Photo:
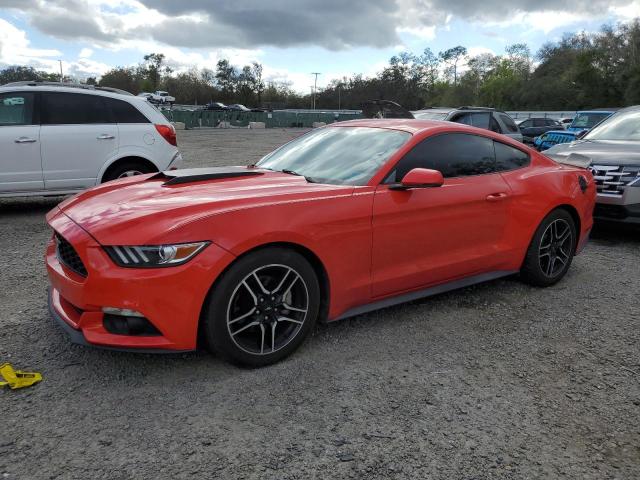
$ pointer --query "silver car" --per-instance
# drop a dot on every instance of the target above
(613, 148)
(481, 117)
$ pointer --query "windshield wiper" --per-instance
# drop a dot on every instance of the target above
(293, 172)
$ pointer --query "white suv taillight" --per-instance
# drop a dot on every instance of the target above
(168, 132)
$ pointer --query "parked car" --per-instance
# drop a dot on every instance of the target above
(402, 209)
(582, 122)
(238, 107)
(613, 149)
(158, 97)
(566, 122)
(61, 139)
(481, 117)
(215, 106)
(536, 126)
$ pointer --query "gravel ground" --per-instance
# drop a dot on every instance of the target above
(499, 380)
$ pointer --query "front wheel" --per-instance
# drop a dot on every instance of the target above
(262, 308)
(551, 250)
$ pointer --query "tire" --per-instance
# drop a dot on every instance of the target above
(262, 308)
(126, 169)
(551, 251)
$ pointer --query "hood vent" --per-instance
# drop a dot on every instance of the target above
(189, 175)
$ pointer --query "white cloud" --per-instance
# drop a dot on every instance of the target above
(85, 53)
(423, 33)
(15, 49)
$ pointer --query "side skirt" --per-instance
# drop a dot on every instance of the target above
(427, 292)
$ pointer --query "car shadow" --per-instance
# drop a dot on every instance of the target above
(615, 233)
(28, 205)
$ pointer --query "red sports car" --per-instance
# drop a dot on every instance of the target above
(345, 219)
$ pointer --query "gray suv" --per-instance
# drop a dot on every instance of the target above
(613, 148)
(481, 117)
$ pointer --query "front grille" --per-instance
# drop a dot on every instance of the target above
(613, 179)
(556, 138)
(68, 256)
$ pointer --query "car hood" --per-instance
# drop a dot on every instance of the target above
(605, 152)
(147, 208)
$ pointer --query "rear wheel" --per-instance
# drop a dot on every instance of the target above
(127, 169)
(262, 308)
(551, 250)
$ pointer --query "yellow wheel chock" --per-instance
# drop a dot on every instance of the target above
(17, 379)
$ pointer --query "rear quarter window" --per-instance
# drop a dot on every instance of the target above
(124, 112)
(509, 158)
(509, 123)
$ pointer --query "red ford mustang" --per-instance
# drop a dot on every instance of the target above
(345, 219)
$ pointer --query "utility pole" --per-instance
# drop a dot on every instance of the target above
(315, 86)
(339, 85)
(61, 75)
(313, 99)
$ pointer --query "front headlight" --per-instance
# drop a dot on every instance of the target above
(150, 256)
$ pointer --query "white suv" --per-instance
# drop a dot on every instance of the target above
(58, 139)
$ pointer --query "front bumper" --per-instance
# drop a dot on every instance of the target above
(623, 208)
(170, 299)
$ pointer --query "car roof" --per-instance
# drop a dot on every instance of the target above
(412, 126)
(599, 110)
(444, 110)
(43, 87)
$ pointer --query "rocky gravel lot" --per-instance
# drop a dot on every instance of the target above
(499, 380)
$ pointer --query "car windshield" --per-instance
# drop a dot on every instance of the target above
(337, 155)
(588, 120)
(430, 116)
(621, 126)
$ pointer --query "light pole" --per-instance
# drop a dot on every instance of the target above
(315, 86)
(61, 75)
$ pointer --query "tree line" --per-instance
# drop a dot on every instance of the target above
(583, 70)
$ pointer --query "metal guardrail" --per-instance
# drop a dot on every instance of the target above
(194, 116)
(556, 115)
(275, 119)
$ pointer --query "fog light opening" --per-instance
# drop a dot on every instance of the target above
(129, 325)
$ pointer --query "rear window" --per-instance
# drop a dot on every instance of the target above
(73, 109)
(16, 109)
(124, 112)
(429, 115)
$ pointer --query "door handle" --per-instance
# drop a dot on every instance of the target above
(496, 197)
(25, 140)
(106, 136)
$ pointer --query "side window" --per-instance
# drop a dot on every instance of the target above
(539, 122)
(16, 108)
(526, 124)
(453, 154)
(509, 158)
(124, 112)
(480, 120)
(59, 108)
(509, 123)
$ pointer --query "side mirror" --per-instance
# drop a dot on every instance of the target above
(581, 134)
(420, 178)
